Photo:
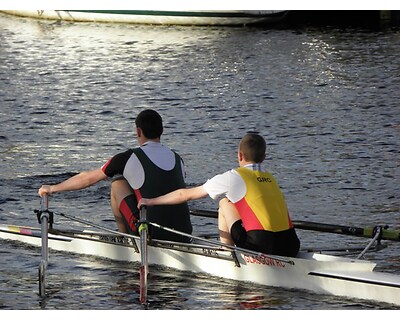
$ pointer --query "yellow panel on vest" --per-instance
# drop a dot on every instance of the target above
(265, 199)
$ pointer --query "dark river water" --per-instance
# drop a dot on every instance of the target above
(326, 100)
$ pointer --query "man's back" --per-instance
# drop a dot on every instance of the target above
(158, 181)
(263, 206)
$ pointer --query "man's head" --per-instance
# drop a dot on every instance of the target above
(252, 148)
(150, 123)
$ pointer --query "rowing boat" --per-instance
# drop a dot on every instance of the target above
(157, 16)
(319, 273)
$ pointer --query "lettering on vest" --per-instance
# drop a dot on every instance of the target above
(263, 179)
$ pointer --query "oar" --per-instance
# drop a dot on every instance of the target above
(144, 256)
(366, 232)
(144, 263)
(43, 217)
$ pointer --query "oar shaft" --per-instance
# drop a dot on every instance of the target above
(204, 213)
(144, 263)
(324, 227)
(44, 226)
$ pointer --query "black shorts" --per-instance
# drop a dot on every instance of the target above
(282, 243)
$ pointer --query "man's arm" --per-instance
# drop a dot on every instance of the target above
(80, 181)
(175, 197)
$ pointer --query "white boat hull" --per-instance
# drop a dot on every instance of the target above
(157, 17)
(309, 271)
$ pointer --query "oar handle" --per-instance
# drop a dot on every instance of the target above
(44, 202)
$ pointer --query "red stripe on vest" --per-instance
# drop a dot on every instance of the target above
(249, 219)
(138, 194)
(290, 221)
(104, 167)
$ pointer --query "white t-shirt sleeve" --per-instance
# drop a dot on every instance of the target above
(229, 184)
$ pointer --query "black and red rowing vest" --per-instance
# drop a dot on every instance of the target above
(158, 182)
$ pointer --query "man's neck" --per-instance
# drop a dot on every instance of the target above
(244, 163)
(144, 141)
(253, 166)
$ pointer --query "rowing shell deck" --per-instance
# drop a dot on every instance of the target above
(318, 273)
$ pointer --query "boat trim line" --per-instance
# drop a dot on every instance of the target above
(348, 278)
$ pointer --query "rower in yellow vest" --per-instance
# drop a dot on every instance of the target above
(263, 207)
(252, 212)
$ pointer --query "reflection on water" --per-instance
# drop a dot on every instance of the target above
(325, 99)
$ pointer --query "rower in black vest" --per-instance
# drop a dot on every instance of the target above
(171, 216)
(153, 168)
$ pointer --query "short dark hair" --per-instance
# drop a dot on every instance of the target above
(253, 147)
(151, 123)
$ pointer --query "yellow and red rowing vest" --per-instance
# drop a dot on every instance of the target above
(263, 207)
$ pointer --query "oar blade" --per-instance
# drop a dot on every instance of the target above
(387, 234)
(367, 232)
